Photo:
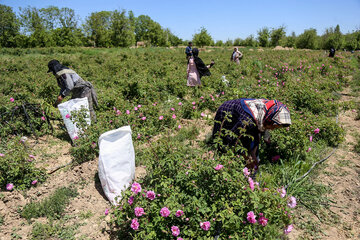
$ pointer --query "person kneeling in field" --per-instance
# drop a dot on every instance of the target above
(196, 69)
(256, 117)
(69, 81)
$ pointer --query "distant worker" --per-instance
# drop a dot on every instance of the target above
(256, 117)
(69, 81)
(332, 52)
(188, 51)
(196, 69)
(236, 56)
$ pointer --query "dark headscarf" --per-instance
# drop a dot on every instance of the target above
(55, 66)
(200, 65)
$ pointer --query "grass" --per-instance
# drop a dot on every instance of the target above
(86, 215)
(53, 230)
(51, 207)
(1, 219)
(357, 145)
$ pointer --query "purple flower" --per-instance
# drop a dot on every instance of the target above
(131, 200)
(164, 212)
(316, 131)
(34, 182)
(288, 229)
(9, 186)
(292, 202)
(106, 212)
(179, 213)
(205, 225)
(251, 217)
(139, 211)
(135, 224)
(175, 231)
(136, 188)
(218, 167)
(246, 171)
(151, 195)
(263, 221)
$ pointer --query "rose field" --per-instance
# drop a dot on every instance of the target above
(185, 188)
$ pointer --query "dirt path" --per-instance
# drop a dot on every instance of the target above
(342, 175)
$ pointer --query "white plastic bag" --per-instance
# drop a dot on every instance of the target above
(73, 105)
(116, 162)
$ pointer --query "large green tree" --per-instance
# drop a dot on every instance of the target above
(203, 38)
(9, 27)
(97, 28)
(276, 36)
(148, 30)
(263, 37)
(308, 39)
(122, 30)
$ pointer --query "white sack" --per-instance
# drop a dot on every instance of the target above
(116, 162)
(74, 105)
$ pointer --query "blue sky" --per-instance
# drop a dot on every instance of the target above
(223, 19)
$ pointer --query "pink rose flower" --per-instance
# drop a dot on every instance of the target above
(317, 130)
(106, 212)
(180, 103)
(251, 217)
(179, 127)
(12, 99)
(172, 109)
(143, 118)
(76, 137)
(282, 192)
(311, 138)
(292, 202)
(202, 114)
(9, 186)
(288, 229)
(251, 183)
(309, 149)
(218, 167)
(136, 188)
(161, 117)
(179, 238)
(43, 118)
(179, 213)
(118, 112)
(135, 224)
(150, 195)
(67, 115)
(205, 225)
(127, 112)
(193, 103)
(194, 107)
(139, 211)
(135, 108)
(263, 221)
(2, 155)
(164, 212)
(131, 200)
(139, 106)
(175, 231)
(34, 182)
(174, 116)
(246, 171)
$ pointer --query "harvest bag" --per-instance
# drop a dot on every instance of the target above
(116, 162)
(74, 105)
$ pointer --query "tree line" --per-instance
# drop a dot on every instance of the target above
(53, 26)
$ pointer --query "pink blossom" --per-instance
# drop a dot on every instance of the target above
(251, 183)
(172, 109)
(193, 103)
(164, 212)
(179, 213)
(282, 192)
(316, 131)
(292, 202)
(43, 118)
(194, 107)
(180, 103)
(311, 138)
(179, 127)
(223, 93)
(161, 117)
(67, 115)
(106, 212)
(288, 229)
(12, 99)
(31, 156)
(246, 171)
(202, 97)
(202, 114)
(139, 211)
(175, 231)
(9, 186)
(131, 200)
(251, 217)
(136, 188)
(127, 112)
(275, 158)
(143, 118)
(138, 136)
(309, 149)
(263, 221)
(118, 112)
(151, 195)
(34, 182)
(218, 167)
(179, 238)
(135, 108)
(76, 137)
(2, 155)
(174, 116)
(205, 225)
(135, 224)
(139, 106)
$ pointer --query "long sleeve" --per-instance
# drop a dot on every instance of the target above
(67, 84)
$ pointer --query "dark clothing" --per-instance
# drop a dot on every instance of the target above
(55, 66)
(332, 52)
(239, 119)
(188, 51)
(200, 65)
